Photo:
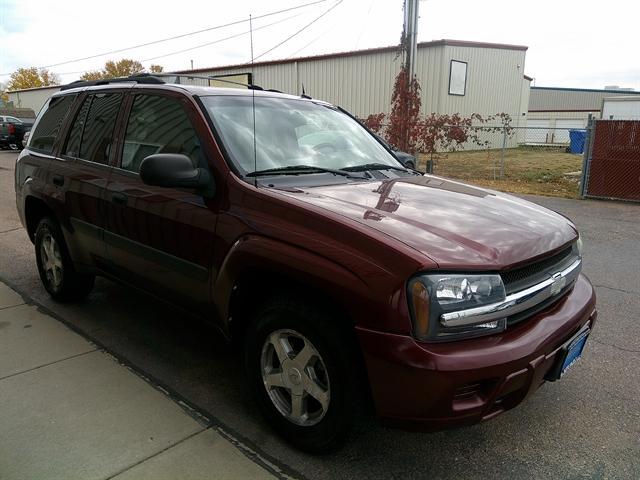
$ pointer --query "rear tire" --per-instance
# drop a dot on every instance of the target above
(300, 368)
(57, 272)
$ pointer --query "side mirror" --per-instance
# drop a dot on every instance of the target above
(408, 163)
(174, 170)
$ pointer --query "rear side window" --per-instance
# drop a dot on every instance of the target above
(97, 134)
(72, 148)
(49, 122)
(158, 125)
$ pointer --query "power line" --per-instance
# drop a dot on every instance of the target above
(220, 39)
(332, 27)
(364, 24)
(217, 27)
(299, 31)
(201, 45)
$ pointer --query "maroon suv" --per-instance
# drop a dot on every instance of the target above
(343, 276)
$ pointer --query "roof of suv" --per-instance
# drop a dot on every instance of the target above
(198, 90)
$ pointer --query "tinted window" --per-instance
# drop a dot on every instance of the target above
(158, 125)
(72, 148)
(49, 122)
(13, 119)
(96, 140)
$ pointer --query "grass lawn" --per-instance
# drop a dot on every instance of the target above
(534, 170)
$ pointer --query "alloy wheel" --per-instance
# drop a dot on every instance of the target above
(51, 260)
(295, 377)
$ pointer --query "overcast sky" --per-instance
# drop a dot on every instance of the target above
(572, 43)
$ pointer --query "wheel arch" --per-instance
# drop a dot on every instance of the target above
(35, 209)
(258, 268)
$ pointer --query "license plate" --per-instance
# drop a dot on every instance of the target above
(574, 351)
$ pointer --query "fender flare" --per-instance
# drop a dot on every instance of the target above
(264, 253)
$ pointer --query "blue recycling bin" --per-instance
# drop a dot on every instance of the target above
(576, 140)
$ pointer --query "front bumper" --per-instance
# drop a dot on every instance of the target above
(431, 386)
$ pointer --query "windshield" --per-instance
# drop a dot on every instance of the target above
(292, 132)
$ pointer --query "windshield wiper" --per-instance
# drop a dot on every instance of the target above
(373, 166)
(296, 169)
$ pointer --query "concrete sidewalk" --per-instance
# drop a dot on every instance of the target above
(68, 411)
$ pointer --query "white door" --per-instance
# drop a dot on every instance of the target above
(537, 131)
(621, 109)
(561, 132)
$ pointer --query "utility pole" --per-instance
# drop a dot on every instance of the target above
(410, 35)
(409, 49)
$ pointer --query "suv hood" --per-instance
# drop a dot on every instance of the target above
(456, 225)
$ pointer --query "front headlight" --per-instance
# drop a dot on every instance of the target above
(434, 299)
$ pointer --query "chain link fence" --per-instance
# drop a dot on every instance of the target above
(612, 160)
(535, 160)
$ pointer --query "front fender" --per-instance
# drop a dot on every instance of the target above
(362, 298)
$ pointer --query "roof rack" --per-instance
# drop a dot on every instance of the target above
(156, 79)
(139, 78)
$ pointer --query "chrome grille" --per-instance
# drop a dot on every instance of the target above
(528, 275)
(520, 301)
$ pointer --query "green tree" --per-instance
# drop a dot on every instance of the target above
(121, 68)
(92, 75)
(31, 78)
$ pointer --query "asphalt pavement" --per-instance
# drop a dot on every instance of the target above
(585, 426)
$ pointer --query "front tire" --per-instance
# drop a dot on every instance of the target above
(300, 367)
(57, 272)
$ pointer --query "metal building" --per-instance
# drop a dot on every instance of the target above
(551, 107)
(33, 98)
(455, 77)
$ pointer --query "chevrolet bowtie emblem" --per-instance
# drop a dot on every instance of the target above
(558, 283)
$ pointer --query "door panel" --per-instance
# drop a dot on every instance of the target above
(83, 197)
(561, 134)
(160, 238)
(82, 172)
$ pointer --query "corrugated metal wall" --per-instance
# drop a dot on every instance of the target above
(363, 83)
(494, 81)
(555, 99)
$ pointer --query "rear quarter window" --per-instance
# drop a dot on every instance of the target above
(97, 134)
(47, 126)
(91, 134)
